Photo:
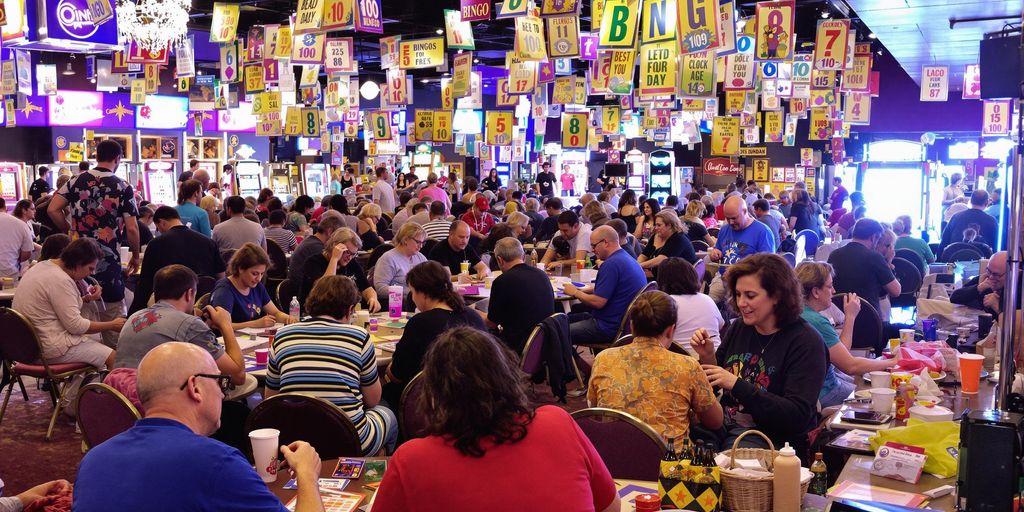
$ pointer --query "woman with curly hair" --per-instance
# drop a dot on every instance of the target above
(487, 447)
(771, 364)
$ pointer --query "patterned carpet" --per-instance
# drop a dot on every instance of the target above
(27, 459)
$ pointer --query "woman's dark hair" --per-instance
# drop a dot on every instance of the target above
(652, 313)
(275, 204)
(499, 231)
(802, 196)
(777, 278)
(474, 390)
(24, 204)
(431, 279)
(493, 173)
(628, 197)
(187, 189)
(265, 194)
(332, 296)
(655, 208)
(303, 204)
(81, 252)
(339, 203)
(53, 246)
(677, 277)
(277, 217)
(247, 256)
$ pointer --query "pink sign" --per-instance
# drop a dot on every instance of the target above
(476, 10)
(972, 82)
(76, 108)
(588, 46)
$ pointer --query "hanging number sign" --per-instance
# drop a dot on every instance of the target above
(725, 136)
(775, 30)
(499, 128)
(574, 130)
(830, 44)
(997, 118)
(698, 25)
(934, 83)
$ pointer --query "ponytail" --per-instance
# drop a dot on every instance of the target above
(454, 300)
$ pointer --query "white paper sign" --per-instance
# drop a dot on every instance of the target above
(934, 83)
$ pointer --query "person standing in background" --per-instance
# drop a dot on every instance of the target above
(568, 181)
(839, 194)
(40, 187)
(545, 180)
(383, 192)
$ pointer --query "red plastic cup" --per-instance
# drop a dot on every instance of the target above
(648, 503)
(262, 355)
(970, 372)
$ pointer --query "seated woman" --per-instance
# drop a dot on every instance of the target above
(392, 266)
(903, 227)
(441, 308)
(338, 258)
(644, 230)
(816, 279)
(771, 364)
(695, 310)
(48, 295)
(696, 230)
(481, 424)
(297, 220)
(669, 241)
(646, 380)
(325, 357)
(242, 292)
(369, 215)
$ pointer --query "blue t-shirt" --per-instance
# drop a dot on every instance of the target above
(831, 337)
(736, 245)
(243, 308)
(195, 218)
(160, 465)
(619, 280)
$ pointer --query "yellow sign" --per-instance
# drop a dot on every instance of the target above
(75, 150)
(499, 128)
(379, 125)
(501, 97)
(698, 75)
(283, 47)
(308, 16)
(753, 151)
(266, 102)
(184, 83)
(830, 44)
(761, 172)
(559, 7)
(580, 97)
(823, 79)
(463, 66)
(658, 68)
(611, 119)
(424, 126)
(659, 21)
(225, 22)
(620, 75)
(996, 117)
(618, 24)
(599, 70)
(447, 98)
(292, 120)
(773, 126)
(859, 78)
(459, 32)
(821, 124)
(512, 8)
(725, 136)
(698, 25)
(529, 43)
(338, 15)
(563, 36)
(308, 48)
(734, 101)
(442, 126)
(254, 78)
(822, 97)
(522, 75)
(138, 91)
(421, 53)
(775, 34)
(564, 91)
(310, 121)
(574, 128)
(100, 9)
(151, 73)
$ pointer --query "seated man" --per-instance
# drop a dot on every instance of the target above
(438, 226)
(619, 279)
(455, 249)
(572, 232)
(984, 293)
(628, 242)
(520, 297)
(171, 318)
(860, 268)
(647, 380)
(549, 227)
(168, 455)
(738, 238)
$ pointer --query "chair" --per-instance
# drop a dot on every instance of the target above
(205, 285)
(629, 447)
(532, 358)
(285, 292)
(278, 261)
(411, 423)
(867, 328)
(910, 280)
(915, 258)
(378, 252)
(428, 245)
(103, 412)
(790, 257)
(700, 267)
(623, 341)
(700, 245)
(960, 251)
(624, 325)
(22, 349)
(713, 232)
(306, 418)
(807, 244)
(203, 301)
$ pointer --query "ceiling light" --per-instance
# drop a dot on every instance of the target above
(68, 71)
(460, 52)
(423, 81)
(153, 24)
(439, 31)
(880, 52)
(476, 61)
(825, 14)
(872, 35)
(369, 90)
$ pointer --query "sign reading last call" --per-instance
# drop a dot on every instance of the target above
(421, 53)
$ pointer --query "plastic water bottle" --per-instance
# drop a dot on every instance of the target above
(293, 308)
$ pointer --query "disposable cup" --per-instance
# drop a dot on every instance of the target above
(464, 267)
(880, 379)
(264, 452)
(262, 355)
(362, 318)
(898, 378)
(882, 399)
(970, 372)
(906, 335)
(124, 253)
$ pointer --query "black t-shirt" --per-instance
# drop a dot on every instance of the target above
(315, 267)
(804, 214)
(491, 184)
(677, 245)
(520, 299)
(448, 257)
(180, 245)
(548, 228)
(536, 220)
(546, 183)
(420, 333)
(696, 231)
(347, 182)
(860, 270)
(38, 188)
(984, 223)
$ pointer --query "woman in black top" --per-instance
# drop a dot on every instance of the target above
(697, 231)
(441, 308)
(338, 258)
(801, 216)
(492, 182)
(348, 180)
(669, 241)
(628, 211)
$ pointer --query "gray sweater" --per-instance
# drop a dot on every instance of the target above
(391, 269)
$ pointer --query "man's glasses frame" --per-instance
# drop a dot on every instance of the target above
(224, 381)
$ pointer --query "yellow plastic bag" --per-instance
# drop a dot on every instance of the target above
(940, 440)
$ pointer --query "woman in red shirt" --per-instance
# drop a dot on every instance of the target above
(487, 448)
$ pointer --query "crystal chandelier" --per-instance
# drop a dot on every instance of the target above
(153, 24)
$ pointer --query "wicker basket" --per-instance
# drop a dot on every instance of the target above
(743, 493)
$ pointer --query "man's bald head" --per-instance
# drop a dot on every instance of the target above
(610, 238)
(996, 270)
(203, 177)
(735, 209)
(166, 367)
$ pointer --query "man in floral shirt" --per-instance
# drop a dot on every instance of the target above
(101, 205)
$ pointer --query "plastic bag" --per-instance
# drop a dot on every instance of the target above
(940, 440)
(912, 360)
(950, 362)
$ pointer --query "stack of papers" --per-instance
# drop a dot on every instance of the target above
(865, 492)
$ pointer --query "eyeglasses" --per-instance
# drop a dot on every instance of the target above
(995, 275)
(224, 381)
(420, 242)
(597, 243)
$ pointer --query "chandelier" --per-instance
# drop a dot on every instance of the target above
(153, 24)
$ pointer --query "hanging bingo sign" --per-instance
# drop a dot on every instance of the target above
(802, 69)
(769, 71)
(71, 20)
(368, 18)
(775, 25)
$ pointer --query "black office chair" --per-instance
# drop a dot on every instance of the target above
(867, 328)
(915, 258)
(910, 280)
(960, 251)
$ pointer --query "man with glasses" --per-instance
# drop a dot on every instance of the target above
(985, 292)
(740, 237)
(619, 279)
(166, 460)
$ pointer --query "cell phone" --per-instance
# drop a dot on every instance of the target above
(866, 417)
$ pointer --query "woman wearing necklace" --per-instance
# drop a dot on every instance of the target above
(242, 293)
(771, 364)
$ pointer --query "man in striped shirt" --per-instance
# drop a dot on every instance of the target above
(438, 227)
(284, 238)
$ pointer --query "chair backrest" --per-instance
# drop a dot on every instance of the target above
(700, 245)
(306, 418)
(205, 285)
(623, 341)
(285, 291)
(428, 245)
(410, 422)
(377, 253)
(629, 447)
(713, 232)
(700, 267)
(203, 301)
(809, 243)
(278, 260)
(908, 275)
(20, 343)
(959, 251)
(867, 328)
(790, 257)
(915, 258)
(103, 412)
(624, 325)
(533, 351)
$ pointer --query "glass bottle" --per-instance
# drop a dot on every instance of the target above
(819, 482)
